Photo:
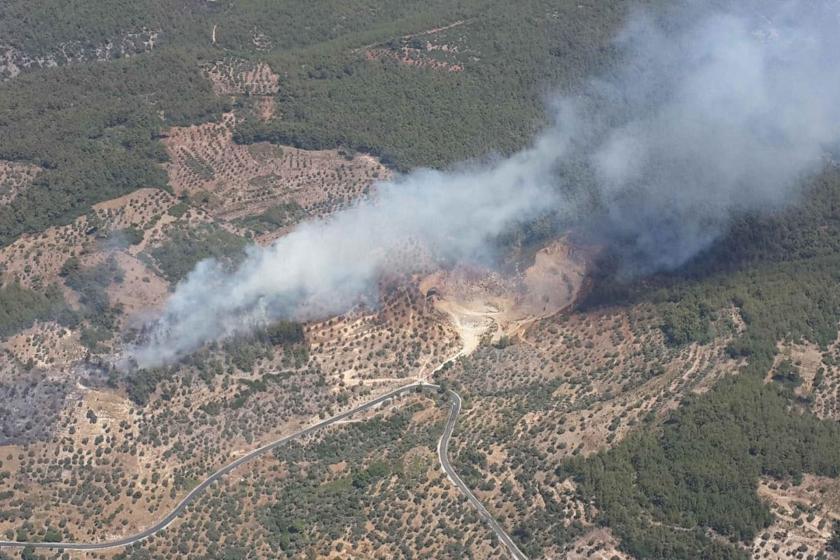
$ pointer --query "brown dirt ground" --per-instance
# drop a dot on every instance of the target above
(14, 178)
(424, 50)
(233, 181)
(241, 77)
(804, 517)
(483, 302)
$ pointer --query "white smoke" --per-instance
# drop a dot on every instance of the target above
(324, 267)
(712, 120)
(705, 120)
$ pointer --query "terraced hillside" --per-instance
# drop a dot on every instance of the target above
(684, 414)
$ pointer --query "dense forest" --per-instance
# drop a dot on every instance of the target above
(510, 60)
(95, 128)
(661, 489)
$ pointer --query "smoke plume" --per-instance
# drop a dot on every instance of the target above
(324, 267)
(709, 120)
(708, 116)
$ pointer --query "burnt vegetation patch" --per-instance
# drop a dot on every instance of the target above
(23, 394)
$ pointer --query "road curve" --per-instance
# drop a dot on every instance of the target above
(443, 448)
(443, 456)
(198, 490)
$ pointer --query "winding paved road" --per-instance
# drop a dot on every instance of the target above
(443, 456)
(198, 490)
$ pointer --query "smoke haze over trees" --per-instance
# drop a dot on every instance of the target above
(708, 116)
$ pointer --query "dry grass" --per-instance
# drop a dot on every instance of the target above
(405, 338)
(35, 260)
(426, 50)
(595, 544)
(241, 77)
(233, 181)
(804, 517)
(190, 428)
(45, 345)
(14, 60)
(571, 385)
(14, 178)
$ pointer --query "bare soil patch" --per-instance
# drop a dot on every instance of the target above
(485, 303)
(242, 77)
(804, 514)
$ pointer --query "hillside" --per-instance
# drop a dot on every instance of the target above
(684, 413)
